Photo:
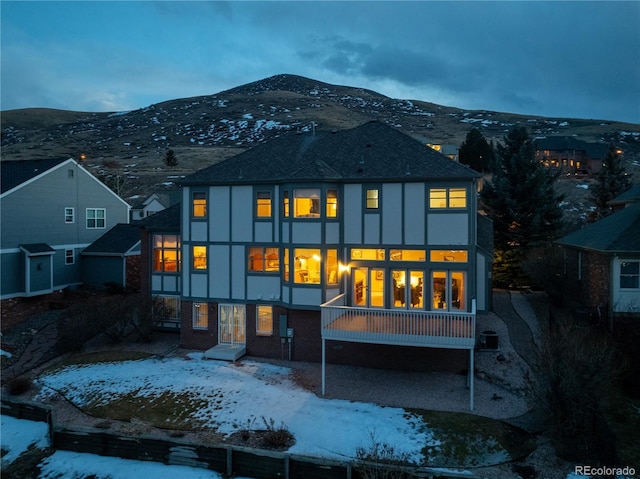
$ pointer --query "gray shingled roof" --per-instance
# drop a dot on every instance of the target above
(14, 173)
(632, 195)
(617, 233)
(165, 220)
(370, 152)
(37, 248)
(117, 241)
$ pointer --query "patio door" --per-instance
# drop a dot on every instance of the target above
(368, 287)
(449, 290)
(232, 324)
(408, 289)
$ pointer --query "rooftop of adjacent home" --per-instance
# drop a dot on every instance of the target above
(370, 152)
(16, 172)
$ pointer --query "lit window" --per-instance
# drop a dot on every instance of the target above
(457, 256)
(264, 259)
(630, 274)
(200, 257)
(200, 316)
(286, 264)
(199, 205)
(264, 320)
(447, 198)
(166, 253)
(332, 203)
(332, 266)
(285, 204)
(407, 255)
(306, 203)
(263, 204)
(373, 197)
(69, 256)
(307, 266)
(370, 254)
(69, 215)
(96, 218)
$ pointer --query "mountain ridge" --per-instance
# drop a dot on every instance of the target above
(208, 128)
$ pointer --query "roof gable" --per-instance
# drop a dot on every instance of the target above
(617, 233)
(370, 152)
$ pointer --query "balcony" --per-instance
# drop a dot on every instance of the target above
(430, 329)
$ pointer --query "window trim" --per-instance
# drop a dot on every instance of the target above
(162, 249)
(633, 276)
(95, 218)
(69, 212)
(68, 256)
(378, 199)
(262, 258)
(447, 198)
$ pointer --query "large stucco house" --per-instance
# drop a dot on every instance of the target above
(359, 246)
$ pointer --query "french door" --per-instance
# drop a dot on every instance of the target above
(368, 287)
(232, 324)
(408, 289)
(448, 290)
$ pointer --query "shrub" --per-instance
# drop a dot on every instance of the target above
(276, 437)
(19, 385)
(380, 460)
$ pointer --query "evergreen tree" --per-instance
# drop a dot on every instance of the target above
(521, 201)
(170, 159)
(612, 179)
(475, 151)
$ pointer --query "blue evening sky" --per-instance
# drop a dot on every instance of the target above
(561, 59)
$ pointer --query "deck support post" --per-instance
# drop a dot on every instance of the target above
(471, 367)
(323, 365)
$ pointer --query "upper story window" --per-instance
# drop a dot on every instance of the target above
(285, 204)
(456, 256)
(69, 215)
(263, 204)
(306, 203)
(166, 253)
(630, 274)
(307, 266)
(368, 254)
(373, 199)
(199, 257)
(407, 255)
(332, 203)
(199, 204)
(440, 198)
(96, 218)
(264, 259)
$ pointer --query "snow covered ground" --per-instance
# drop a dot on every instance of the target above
(234, 395)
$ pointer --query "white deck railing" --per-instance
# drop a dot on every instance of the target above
(400, 327)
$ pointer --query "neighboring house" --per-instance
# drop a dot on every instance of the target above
(602, 265)
(50, 211)
(632, 195)
(571, 155)
(155, 202)
(358, 247)
(161, 266)
(113, 259)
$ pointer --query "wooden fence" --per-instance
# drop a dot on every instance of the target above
(225, 459)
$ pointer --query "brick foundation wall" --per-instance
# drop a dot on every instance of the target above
(132, 263)
(201, 339)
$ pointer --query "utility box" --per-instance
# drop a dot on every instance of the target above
(283, 327)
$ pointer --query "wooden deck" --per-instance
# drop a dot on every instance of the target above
(400, 327)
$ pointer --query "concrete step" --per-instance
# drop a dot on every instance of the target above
(226, 352)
